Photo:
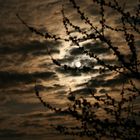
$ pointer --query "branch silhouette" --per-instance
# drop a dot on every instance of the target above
(121, 119)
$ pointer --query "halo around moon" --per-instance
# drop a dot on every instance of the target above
(78, 64)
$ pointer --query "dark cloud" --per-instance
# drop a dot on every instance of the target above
(4, 98)
(111, 61)
(103, 91)
(10, 78)
(24, 53)
(116, 81)
(137, 44)
(83, 70)
(18, 105)
(34, 48)
(3, 119)
(37, 115)
(72, 72)
(53, 87)
(111, 90)
(19, 90)
(97, 48)
(19, 47)
(10, 133)
(76, 51)
(84, 91)
(34, 124)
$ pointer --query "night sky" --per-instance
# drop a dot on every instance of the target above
(24, 61)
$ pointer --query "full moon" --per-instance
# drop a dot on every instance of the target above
(78, 64)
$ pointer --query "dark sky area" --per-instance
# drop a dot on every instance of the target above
(24, 60)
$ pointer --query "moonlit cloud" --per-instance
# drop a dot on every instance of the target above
(24, 60)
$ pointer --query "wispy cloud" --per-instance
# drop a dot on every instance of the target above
(7, 78)
(24, 60)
